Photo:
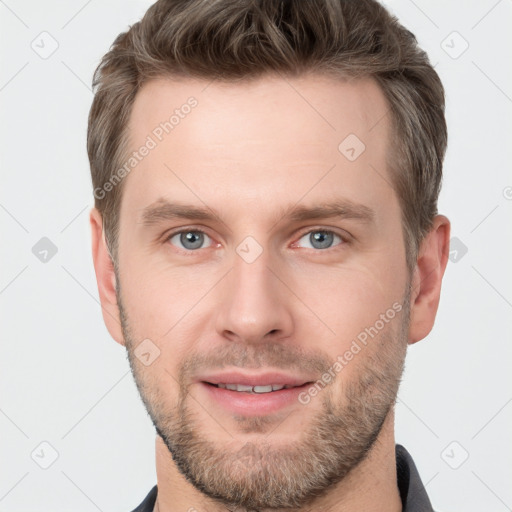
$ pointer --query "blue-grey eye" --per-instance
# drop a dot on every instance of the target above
(189, 240)
(320, 239)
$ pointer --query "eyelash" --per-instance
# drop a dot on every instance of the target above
(344, 239)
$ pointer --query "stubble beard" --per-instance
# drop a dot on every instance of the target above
(272, 476)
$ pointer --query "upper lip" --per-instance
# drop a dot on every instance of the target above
(259, 379)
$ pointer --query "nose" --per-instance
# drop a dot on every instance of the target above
(255, 306)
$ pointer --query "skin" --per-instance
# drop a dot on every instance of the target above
(249, 151)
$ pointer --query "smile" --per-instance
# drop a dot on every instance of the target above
(252, 389)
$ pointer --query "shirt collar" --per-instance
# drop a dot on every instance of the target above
(412, 491)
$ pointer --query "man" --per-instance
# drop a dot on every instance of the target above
(267, 244)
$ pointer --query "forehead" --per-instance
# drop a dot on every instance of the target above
(208, 139)
(328, 104)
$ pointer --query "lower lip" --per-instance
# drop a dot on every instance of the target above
(254, 404)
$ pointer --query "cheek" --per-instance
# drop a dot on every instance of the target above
(347, 299)
(161, 300)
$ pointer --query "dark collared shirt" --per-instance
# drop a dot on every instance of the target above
(412, 492)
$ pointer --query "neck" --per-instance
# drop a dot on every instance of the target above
(370, 486)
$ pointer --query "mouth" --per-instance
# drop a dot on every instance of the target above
(249, 400)
(243, 388)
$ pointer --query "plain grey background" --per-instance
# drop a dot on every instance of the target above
(65, 383)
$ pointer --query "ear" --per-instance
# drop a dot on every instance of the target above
(427, 276)
(105, 277)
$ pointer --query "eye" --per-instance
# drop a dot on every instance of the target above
(320, 239)
(189, 239)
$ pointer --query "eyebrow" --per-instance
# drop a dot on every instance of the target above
(163, 210)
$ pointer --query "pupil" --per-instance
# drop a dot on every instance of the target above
(321, 239)
(192, 239)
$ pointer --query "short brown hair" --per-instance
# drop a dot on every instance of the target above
(242, 39)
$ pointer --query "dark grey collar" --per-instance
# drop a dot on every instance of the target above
(412, 491)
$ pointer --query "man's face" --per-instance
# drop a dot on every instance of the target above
(256, 295)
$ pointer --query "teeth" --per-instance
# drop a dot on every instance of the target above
(262, 389)
(239, 387)
(253, 389)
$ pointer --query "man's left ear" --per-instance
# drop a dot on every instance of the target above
(427, 276)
